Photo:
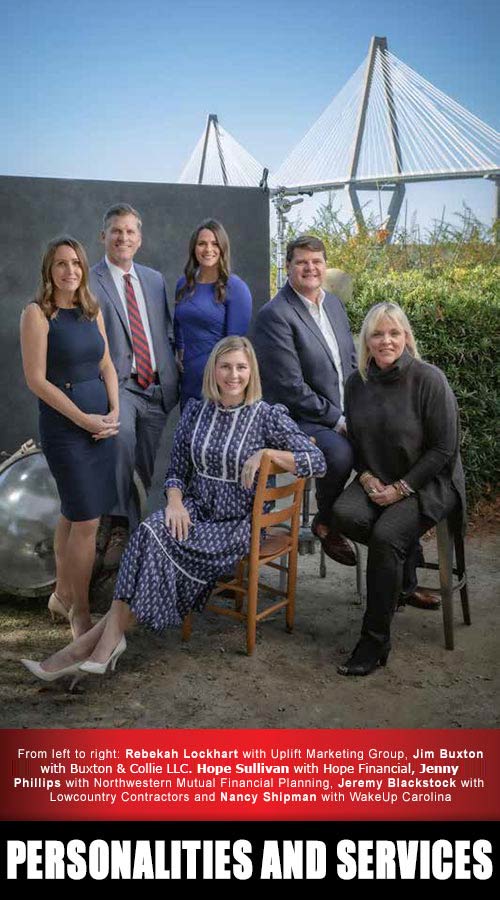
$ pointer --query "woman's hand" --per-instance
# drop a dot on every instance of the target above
(177, 519)
(101, 427)
(111, 419)
(372, 486)
(386, 496)
(250, 469)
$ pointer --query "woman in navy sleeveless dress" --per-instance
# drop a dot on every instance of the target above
(176, 555)
(67, 365)
(210, 304)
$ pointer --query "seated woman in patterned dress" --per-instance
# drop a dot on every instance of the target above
(175, 556)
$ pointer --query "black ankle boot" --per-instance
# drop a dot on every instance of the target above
(366, 656)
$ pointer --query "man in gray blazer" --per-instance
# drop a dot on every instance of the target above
(306, 353)
(133, 300)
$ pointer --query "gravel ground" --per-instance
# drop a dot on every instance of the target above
(290, 681)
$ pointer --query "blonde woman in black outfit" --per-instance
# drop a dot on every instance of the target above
(402, 420)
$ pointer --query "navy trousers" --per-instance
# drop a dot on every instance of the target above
(339, 462)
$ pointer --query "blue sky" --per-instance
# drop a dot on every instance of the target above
(120, 90)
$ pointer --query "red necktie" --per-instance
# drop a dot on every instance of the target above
(139, 339)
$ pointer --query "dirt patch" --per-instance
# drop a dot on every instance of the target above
(486, 517)
(290, 681)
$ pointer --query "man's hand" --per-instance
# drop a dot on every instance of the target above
(341, 426)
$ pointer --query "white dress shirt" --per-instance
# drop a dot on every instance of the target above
(318, 313)
(117, 276)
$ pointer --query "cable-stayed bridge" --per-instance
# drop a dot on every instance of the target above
(219, 159)
(387, 127)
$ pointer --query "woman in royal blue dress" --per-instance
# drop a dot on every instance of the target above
(175, 557)
(67, 365)
(210, 303)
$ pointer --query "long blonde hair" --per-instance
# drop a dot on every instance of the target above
(371, 321)
(45, 293)
(230, 344)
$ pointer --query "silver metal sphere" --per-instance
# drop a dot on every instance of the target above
(29, 510)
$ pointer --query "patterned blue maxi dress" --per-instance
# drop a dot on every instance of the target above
(162, 578)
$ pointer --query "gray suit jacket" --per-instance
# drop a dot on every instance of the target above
(118, 333)
(296, 366)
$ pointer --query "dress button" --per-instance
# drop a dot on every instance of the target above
(68, 384)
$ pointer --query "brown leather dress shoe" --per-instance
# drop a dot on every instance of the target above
(422, 599)
(335, 545)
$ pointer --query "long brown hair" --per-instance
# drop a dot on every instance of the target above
(45, 293)
(192, 265)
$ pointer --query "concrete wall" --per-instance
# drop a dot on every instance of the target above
(33, 210)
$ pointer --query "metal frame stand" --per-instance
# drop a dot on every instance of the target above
(283, 206)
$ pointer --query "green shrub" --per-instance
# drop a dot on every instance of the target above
(447, 281)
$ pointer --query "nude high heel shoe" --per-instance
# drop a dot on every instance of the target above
(96, 668)
(36, 669)
(57, 609)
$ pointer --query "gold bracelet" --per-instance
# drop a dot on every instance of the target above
(399, 486)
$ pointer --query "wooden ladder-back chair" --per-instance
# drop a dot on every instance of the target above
(264, 551)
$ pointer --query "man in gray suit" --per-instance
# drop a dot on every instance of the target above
(133, 300)
(306, 353)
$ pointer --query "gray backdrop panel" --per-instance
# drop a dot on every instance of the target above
(33, 210)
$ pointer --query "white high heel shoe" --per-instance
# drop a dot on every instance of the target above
(36, 669)
(57, 609)
(96, 668)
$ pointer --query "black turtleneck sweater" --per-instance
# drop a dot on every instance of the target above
(403, 423)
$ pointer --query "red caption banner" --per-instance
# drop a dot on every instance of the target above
(249, 775)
